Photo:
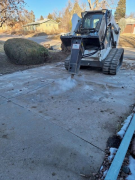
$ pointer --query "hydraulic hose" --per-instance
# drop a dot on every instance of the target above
(88, 55)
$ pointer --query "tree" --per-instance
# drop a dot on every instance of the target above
(10, 11)
(102, 4)
(120, 10)
(41, 18)
(27, 17)
(84, 7)
(50, 16)
(76, 8)
(32, 16)
(67, 16)
(132, 15)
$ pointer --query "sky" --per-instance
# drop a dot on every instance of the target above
(44, 7)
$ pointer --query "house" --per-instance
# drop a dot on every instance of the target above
(42, 25)
(130, 25)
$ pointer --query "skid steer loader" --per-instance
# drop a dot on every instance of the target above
(93, 41)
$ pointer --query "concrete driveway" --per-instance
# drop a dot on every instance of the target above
(55, 128)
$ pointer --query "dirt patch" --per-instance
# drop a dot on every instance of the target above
(127, 40)
(6, 67)
(57, 56)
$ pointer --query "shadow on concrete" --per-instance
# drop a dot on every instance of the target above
(40, 34)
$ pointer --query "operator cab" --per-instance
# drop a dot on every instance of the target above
(90, 22)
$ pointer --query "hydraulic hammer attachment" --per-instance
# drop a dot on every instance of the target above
(76, 55)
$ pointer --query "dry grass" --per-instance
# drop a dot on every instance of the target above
(36, 33)
(54, 32)
(127, 40)
(21, 32)
(128, 34)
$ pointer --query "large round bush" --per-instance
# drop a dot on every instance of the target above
(25, 52)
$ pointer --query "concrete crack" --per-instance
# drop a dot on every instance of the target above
(86, 141)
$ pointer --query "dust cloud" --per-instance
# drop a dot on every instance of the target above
(63, 85)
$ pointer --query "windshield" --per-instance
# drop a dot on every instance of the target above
(92, 21)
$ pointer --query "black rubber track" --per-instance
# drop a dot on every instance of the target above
(113, 61)
(108, 60)
(116, 62)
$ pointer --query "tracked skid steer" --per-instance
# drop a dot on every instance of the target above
(93, 42)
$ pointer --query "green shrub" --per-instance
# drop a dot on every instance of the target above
(25, 52)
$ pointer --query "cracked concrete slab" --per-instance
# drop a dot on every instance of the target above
(34, 148)
(60, 131)
(2, 100)
(27, 81)
(96, 104)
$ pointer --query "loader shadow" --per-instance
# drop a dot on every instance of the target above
(39, 34)
(96, 69)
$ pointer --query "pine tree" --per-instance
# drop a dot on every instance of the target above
(41, 18)
(120, 10)
(50, 16)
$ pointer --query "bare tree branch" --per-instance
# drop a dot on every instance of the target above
(90, 4)
(102, 4)
(10, 10)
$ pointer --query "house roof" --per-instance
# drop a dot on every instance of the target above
(40, 22)
(130, 20)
